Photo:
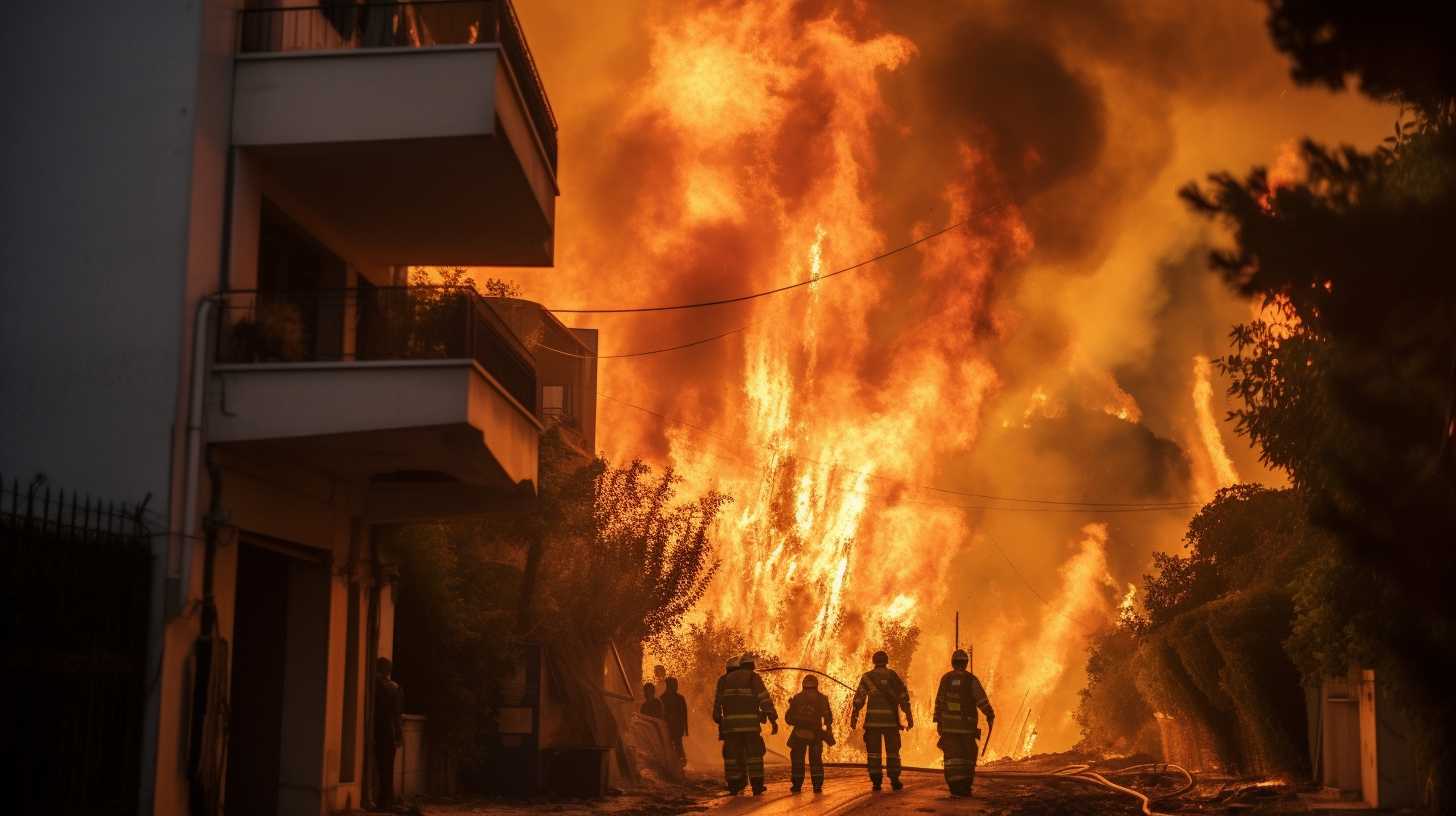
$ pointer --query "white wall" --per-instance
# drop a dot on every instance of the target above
(113, 174)
(93, 227)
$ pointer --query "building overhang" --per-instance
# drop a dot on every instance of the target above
(396, 421)
(410, 155)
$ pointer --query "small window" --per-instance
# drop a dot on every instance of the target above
(553, 401)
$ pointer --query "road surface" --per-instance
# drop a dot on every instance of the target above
(848, 792)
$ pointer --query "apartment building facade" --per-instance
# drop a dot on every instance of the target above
(207, 212)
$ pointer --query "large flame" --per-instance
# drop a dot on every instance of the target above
(1219, 470)
(742, 146)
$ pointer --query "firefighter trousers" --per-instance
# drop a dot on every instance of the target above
(873, 738)
(960, 762)
(815, 750)
(743, 761)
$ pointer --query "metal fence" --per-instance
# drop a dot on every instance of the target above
(74, 612)
(375, 323)
(346, 24)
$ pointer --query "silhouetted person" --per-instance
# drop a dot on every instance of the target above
(731, 667)
(810, 718)
(675, 711)
(886, 696)
(956, 702)
(742, 705)
(388, 729)
(651, 706)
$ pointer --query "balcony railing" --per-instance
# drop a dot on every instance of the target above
(375, 323)
(344, 24)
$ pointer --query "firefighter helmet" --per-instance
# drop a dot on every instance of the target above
(959, 658)
(747, 661)
(881, 659)
(810, 681)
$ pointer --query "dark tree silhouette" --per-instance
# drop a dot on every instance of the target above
(1349, 382)
(1398, 51)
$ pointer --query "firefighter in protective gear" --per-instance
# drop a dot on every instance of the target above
(812, 721)
(733, 663)
(742, 703)
(956, 701)
(886, 696)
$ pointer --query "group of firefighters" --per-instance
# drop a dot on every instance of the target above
(743, 704)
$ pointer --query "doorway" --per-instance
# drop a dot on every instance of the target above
(256, 723)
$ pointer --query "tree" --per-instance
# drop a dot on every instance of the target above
(1350, 384)
(622, 559)
(1111, 712)
(1247, 536)
(1398, 51)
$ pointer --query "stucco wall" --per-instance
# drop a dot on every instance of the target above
(97, 169)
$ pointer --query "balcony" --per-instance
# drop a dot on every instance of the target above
(421, 130)
(396, 386)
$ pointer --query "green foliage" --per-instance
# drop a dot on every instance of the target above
(1111, 712)
(630, 562)
(1352, 387)
(619, 558)
(453, 622)
(1247, 631)
(1200, 655)
(1248, 535)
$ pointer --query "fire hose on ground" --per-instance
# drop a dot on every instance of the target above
(1076, 773)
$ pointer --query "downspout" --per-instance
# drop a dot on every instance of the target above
(201, 324)
(193, 475)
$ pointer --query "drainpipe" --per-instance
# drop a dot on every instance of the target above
(198, 386)
(193, 473)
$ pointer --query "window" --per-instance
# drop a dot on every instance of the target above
(553, 401)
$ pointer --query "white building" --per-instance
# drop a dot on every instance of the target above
(206, 208)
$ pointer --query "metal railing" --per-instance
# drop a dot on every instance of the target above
(375, 323)
(345, 24)
(74, 619)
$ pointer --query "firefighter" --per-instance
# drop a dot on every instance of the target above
(718, 693)
(812, 722)
(887, 696)
(956, 701)
(743, 704)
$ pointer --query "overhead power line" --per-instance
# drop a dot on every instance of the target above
(795, 285)
(1061, 505)
(645, 352)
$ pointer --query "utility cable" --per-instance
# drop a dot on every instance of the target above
(1072, 773)
(1069, 505)
(810, 671)
(796, 284)
(643, 353)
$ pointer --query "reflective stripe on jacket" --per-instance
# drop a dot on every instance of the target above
(744, 702)
(956, 701)
(884, 693)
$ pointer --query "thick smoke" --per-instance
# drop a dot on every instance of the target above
(703, 143)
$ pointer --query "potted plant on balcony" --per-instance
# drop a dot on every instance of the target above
(274, 334)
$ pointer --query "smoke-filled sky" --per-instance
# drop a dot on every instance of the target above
(1050, 349)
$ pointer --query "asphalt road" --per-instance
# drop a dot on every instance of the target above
(848, 791)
